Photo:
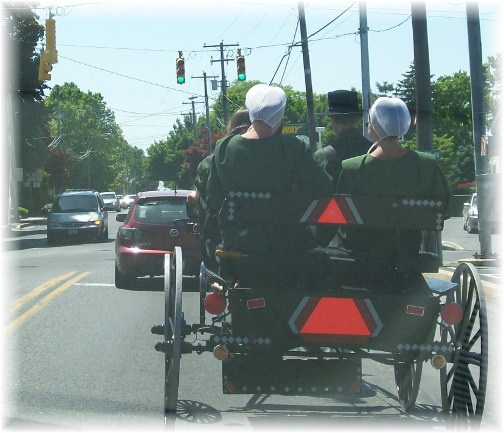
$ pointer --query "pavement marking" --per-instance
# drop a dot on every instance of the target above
(37, 291)
(96, 284)
(43, 302)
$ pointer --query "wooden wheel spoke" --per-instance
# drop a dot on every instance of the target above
(464, 384)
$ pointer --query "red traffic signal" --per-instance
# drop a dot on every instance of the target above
(180, 64)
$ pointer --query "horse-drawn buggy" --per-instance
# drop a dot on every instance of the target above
(307, 331)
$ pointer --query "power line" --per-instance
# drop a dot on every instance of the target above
(128, 76)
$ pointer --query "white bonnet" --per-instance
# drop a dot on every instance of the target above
(266, 103)
(389, 117)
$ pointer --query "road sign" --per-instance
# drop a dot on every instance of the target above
(295, 129)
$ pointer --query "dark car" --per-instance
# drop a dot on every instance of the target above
(156, 222)
(77, 215)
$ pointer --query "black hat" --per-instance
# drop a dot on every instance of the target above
(342, 102)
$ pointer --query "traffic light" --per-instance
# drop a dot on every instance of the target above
(240, 67)
(50, 34)
(180, 62)
(44, 67)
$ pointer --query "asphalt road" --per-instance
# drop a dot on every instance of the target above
(78, 354)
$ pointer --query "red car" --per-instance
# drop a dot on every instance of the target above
(156, 222)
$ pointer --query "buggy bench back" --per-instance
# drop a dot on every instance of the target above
(367, 212)
(256, 208)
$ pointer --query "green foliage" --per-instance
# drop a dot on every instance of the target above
(92, 149)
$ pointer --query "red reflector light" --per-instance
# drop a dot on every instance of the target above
(215, 303)
(415, 310)
(452, 313)
(256, 303)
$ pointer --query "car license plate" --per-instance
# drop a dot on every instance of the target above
(73, 232)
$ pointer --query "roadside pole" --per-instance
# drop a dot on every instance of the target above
(479, 128)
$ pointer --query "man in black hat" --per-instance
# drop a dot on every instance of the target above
(345, 115)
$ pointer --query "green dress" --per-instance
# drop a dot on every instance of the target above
(279, 163)
(415, 175)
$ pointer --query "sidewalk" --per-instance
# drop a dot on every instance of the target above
(30, 221)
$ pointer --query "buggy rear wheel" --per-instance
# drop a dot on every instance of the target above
(407, 378)
(172, 330)
(463, 384)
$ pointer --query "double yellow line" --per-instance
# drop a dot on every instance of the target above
(18, 303)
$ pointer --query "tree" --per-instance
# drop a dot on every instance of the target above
(165, 158)
(89, 137)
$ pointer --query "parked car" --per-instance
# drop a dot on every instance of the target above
(155, 224)
(77, 215)
(470, 214)
(127, 201)
(111, 201)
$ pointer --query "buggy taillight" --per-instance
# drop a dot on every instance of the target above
(452, 313)
(215, 303)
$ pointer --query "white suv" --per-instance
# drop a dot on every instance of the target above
(111, 201)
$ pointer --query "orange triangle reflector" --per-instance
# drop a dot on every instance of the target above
(336, 316)
(332, 214)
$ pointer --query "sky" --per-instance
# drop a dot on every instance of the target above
(126, 51)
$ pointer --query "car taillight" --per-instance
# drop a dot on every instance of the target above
(130, 234)
(196, 228)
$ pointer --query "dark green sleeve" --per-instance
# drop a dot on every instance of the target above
(215, 190)
(311, 178)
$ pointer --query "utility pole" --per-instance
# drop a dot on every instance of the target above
(192, 98)
(312, 134)
(223, 74)
(423, 90)
(207, 112)
(484, 186)
(366, 86)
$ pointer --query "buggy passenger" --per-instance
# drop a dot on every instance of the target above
(263, 160)
(389, 170)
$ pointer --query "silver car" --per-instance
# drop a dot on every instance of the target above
(77, 215)
(470, 214)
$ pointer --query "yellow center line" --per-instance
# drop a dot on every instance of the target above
(38, 290)
(43, 302)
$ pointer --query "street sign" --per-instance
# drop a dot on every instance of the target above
(295, 129)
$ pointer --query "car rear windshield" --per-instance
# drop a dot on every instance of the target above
(108, 196)
(82, 203)
(155, 211)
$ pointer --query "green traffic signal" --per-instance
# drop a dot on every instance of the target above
(180, 64)
(242, 77)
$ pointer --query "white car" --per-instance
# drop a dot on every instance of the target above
(127, 201)
(111, 201)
